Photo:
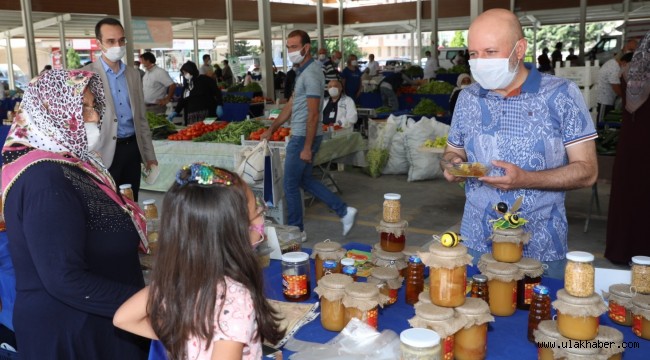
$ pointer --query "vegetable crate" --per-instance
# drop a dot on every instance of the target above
(235, 111)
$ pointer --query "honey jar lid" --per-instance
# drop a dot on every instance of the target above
(362, 290)
(437, 249)
(473, 306)
(384, 273)
(419, 338)
(363, 296)
(396, 228)
(347, 262)
(295, 257)
(328, 250)
(484, 260)
(125, 186)
(148, 202)
(440, 256)
(510, 235)
(392, 196)
(335, 281)
(641, 260)
(641, 301)
(433, 312)
(576, 353)
(592, 305)
(621, 290)
(326, 246)
(609, 334)
(579, 256)
(530, 267)
(387, 255)
(503, 272)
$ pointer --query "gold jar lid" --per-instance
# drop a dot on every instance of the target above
(505, 272)
(433, 312)
(592, 305)
(530, 267)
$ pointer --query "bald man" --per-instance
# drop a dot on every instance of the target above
(533, 129)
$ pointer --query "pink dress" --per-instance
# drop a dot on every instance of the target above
(236, 322)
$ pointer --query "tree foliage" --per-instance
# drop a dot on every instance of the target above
(349, 46)
(244, 48)
(72, 59)
(458, 40)
(569, 35)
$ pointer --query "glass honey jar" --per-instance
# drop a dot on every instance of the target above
(361, 301)
(502, 286)
(419, 344)
(641, 316)
(295, 276)
(579, 274)
(392, 235)
(326, 250)
(619, 299)
(546, 333)
(470, 342)
(508, 244)
(126, 191)
(480, 288)
(392, 208)
(388, 280)
(641, 274)
(447, 274)
(577, 317)
(532, 270)
(441, 320)
(609, 335)
(331, 289)
(389, 259)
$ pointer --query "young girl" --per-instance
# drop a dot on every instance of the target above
(206, 298)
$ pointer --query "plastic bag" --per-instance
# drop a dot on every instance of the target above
(357, 341)
(423, 166)
(397, 160)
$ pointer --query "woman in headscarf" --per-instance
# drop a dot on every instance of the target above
(201, 96)
(464, 80)
(73, 239)
(630, 191)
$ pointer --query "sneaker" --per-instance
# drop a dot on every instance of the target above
(348, 220)
(303, 236)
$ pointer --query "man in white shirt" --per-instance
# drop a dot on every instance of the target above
(609, 84)
(157, 85)
(372, 66)
(430, 67)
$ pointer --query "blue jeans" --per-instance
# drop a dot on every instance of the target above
(552, 269)
(298, 174)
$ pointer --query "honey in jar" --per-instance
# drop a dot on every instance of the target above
(419, 344)
(441, 320)
(532, 270)
(502, 286)
(619, 305)
(295, 276)
(447, 274)
(609, 335)
(392, 235)
(326, 250)
(388, 280)
(546, 333)
(577, 317)
(470, 342)
(361, 301)
(331, 289)
(480, 288)
(126, 191)
(508, 244)
(641, 316)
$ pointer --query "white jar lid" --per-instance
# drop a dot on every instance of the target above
(641, 260)
(347, 262)
(392, 196)
(579, 256)
(295, 256)
(149, 202)
(419, 338)
(125, 186)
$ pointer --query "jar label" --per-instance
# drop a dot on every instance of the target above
(636, 325)
(528, 293)
(448, 348)
(294, 285)
(392, 294)
(617, 312)
(371, 317)
(514, 297)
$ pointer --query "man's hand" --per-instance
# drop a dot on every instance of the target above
(163, 102)
(266, 134)
(305, 155)
(447, 159)
(514, 178)
(151, 163)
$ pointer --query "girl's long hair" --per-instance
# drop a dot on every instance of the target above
(204, 237)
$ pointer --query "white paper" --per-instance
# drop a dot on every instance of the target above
(607, 277)
(273, 242)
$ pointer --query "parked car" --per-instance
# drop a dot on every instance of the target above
(447, 55)
(20, 78)
(393, 64)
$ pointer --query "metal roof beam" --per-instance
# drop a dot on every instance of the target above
(37, 25)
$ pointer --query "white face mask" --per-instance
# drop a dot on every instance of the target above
(334, 92)
(336, 61)
(494, 73)
(353, 63)
(296, 57)
(92, 135)
(187, 77)
(462, 86)
(115, 53)
(322, 57)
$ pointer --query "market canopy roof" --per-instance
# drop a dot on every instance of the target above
(359, 20)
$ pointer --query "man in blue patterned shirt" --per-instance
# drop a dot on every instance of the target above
(533, 129)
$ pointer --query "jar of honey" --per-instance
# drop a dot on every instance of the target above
(295, 276)
(480, 288)
(547, 333)
(609, 335)
(419, 344)
(153, 223)
(577, 317)
(579, 274)
(575, 353)
(440, 320)
(392, 235)
(126, 191)
(470, 342)
(641, 316)
(532, 270)
(641, 274)
(393, 260)
(619, 300)
(331, 289)
(508, 244)
(361, 301)
(502, 286)
(447, 273)
(330, 267)
(348, 268)
(484, 261)
(388, 280)
(326, 250)
(392, 208)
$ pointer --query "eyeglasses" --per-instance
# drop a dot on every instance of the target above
(113, 42)
(260, 210)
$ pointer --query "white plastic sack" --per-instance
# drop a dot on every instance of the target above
(423, 165)
(251, 168)
(397, 160)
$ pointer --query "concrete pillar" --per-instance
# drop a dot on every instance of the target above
(418, 31)
(125, 19)
(434, 32)
(319, 24)
(475, 8)
(195, 38)
(229, 28)
(266, 57)
(583, 31)
(26, 6)
(63, 48)
(10, 63)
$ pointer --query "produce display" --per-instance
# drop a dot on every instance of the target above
(383, 109)
(237, 99)
(258, 99)
(252, 87)
(427, 107)
(407, 90)
(333, 127)
(456, 69)
(196, 130)
(160, 127)
(278, 135)
(436, 88)
(414, 71)
(232, 133)
(376, 159)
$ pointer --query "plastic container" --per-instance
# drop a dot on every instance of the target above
(348, 268)
(508, 244)
(540, 309)
(480, 288)
(326, 250)
(392, 208)
(447, 274)
(361, 301)
(441, 320)
(393, 260)
(331, 289)
(392, 236)
(532, 270)
(419, 344)
(388, 281)
(467, 169)
(619, 305)
(577, 317)
(579, 274)
(546, 333)
(641, 274)
(331, 267)
(126, 191)
(470, 342)
(295, 276)
(502, 285)
(609, 335)
(641, 316)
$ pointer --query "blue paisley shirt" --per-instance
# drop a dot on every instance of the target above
(532, 130)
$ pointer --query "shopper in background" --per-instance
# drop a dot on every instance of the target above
(629, 188)
(430, 66)
(351, 78)
(463, 81)
(608, 87)
(136, 65)
(304, 110)
(372, 66)
(339, 109)
(73, 238)
(157, 85)
(200, 96)
(206, 68)
(228, 77)
(330, 67)
(125, 140)
(211, 223)
(533, 129)
(544, 63)
(572, 58)
(556, 56)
